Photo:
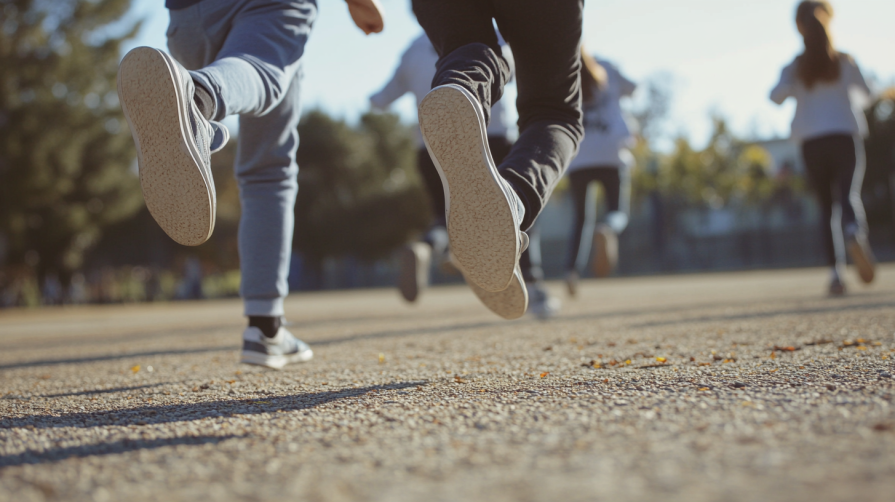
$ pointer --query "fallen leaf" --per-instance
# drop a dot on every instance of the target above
(771, 371)
(705, 364)
(692, 358)
(613, 362)
(548, 348)
(381, 358)
(773, 355)
(136, 368)
(860, 347)
(457, 379)
(661, 359)
(729, 360)
(703, 388)
(628, 361)
(544, 374)
(788, 348)
(231, 382)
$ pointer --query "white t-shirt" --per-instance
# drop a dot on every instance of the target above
(828, 107)
(414, 75)
(606, 131)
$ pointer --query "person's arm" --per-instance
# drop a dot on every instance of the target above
(367, 15)
(785, 87)
(394, 89)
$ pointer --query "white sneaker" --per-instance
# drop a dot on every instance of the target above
(540, 303)
(483, 211)
(413, 275)
(274, 352)
(174, 143)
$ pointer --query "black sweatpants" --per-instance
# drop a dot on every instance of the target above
(529, 263)
(579, 181)
(545, 38)
(833, 170)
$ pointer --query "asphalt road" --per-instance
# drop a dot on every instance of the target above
(748, 386)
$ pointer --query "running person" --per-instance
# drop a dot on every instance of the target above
(604, 158)
(414, 75)
(489, 206)
(245, 57)
(830, 128)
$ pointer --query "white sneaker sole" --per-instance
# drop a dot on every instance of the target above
(483, 234)
(275, 362)
(179, 194)
(511, 303)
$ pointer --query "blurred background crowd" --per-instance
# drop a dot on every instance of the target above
(74, 229)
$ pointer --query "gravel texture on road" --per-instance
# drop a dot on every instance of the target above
(743, 387)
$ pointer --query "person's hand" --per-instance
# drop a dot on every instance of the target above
(367, 15)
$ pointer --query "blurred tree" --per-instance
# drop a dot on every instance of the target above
(359, 194)
(726, 170)
(879, 179)
(66, 155)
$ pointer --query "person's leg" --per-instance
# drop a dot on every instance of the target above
(605, 236)
(816, 156)
(545, 43)
(267, 172)
(849, 158)
(263, 43)
(432, 184)
(462, 33)
(579, 180)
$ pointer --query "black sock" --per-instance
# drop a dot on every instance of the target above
(204, 101)
(267, 324)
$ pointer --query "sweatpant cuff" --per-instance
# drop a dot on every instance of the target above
(267, 307)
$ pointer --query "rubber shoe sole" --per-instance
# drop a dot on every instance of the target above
(275, 362)
(483, 233)
(511, 303)
(175, 188)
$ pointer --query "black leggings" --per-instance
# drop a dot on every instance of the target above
(833, 170)
(579, 181)
(529, 263)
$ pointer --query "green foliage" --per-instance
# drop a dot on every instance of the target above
(879, 180)
(65, 151)
(359, 194)
(726, 170)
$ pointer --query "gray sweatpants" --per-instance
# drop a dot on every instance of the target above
(247, 53)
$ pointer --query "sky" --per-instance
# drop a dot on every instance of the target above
(720, 56)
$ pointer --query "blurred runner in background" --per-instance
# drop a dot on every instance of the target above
(603, 157)
(828, 88)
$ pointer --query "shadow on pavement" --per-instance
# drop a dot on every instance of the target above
(105, 391)
(148, 415)
(772, 313)
(114, 448)
(113, 357)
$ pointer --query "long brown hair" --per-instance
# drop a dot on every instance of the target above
(593, 77)
(820, 61)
